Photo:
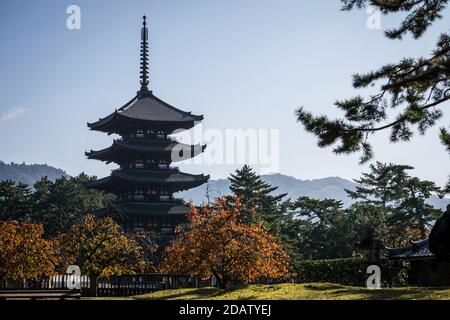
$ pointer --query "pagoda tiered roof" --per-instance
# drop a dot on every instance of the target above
(157, 146)
(148, 110)
(170, 178)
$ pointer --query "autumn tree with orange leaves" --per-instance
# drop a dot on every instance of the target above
(24, 253)
(217, 243)
(101, 249)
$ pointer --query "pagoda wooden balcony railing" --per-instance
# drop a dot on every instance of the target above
(144, 198)
(146, 137)
(160, 167)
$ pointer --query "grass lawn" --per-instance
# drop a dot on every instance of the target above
(311, 291)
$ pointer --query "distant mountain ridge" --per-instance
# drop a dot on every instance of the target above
(324, 188)
(29, 173)
(331, 188)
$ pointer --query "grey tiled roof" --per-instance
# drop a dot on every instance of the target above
(147, 108)
(154, 109)
(168, 176)
(145, 146)
(414, 251)
(172, 178)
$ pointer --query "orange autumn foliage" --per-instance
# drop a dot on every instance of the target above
(24, 253)
(217, 243)
(398, 237)
(100, 247)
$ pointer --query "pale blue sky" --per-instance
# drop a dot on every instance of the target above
(241, 63)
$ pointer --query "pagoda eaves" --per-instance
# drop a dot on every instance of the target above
(171, 180)
(127, 148)
(146, 110)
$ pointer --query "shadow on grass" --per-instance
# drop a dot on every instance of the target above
(381, 294)
(196, 293)
(200, 294)
(333, 291)
(323, 286)
(327, 291)
(388, 294)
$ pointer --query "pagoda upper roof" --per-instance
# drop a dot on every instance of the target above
(171, 178)
(146, 107)
(145, 146)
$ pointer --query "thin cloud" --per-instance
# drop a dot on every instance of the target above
(13, 114)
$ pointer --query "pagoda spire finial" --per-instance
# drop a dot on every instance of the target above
(144, 57)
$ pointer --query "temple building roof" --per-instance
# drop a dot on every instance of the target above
(146, 107)
(147, 147)
(415, 251)
(170, 178)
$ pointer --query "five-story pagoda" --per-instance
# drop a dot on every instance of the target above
(145, 182)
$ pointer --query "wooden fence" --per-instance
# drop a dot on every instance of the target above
(57, 282)
(116, 286)
(127, 285)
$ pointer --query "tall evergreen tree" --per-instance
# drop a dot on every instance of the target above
(368, 220)
(259, 204)
(15, 201)
(60, 204)
(399, 199)
(324, 229)
(254, 193)
(418, 212)
(57, 205)
(382, 186)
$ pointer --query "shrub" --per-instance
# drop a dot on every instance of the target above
(351, 271)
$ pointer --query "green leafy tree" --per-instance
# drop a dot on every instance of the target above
(382, 185)
(399, 200)
(260, 204)
(368, 220)
(15, 201)
(324, 229)
(414, 88)
(418, 212)
(255, 194)
(57, 205)
(60, 204)
(286, 230)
